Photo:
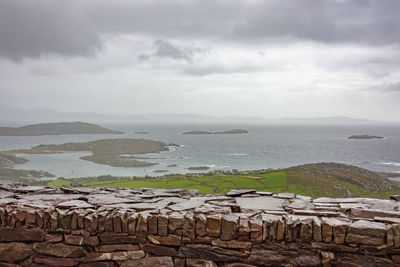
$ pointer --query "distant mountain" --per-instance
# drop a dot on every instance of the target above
(55, 129)
(13, 116)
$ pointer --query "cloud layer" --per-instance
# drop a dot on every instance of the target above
(270, 58)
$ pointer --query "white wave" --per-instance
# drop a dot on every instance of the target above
(391, 163)
(237, 154)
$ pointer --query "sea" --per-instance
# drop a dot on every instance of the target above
(264, 147)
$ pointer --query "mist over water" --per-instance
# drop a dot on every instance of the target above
(266, 146)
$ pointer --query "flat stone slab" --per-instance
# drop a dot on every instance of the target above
(74, 204)
(260, 203)
(239, 192)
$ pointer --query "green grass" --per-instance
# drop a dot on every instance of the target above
(274, 181)
(59, 183)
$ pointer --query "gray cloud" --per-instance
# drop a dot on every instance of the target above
(165, 49)
(386, 87)
(74, 28)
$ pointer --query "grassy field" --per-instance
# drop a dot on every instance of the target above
(315, 180)
(274, 181)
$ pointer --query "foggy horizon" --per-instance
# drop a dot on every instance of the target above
(268, 59)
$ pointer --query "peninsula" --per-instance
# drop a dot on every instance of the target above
(234, 131)
(56, 128)
(364, 136)
(104, 151)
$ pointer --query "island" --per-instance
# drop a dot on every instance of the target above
(56, 128)
(142, 132)
(198, 132)
(104, 151)
(364, 136)
(199, 168)
(234, 131)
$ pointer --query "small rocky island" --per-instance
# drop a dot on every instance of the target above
(234, 131)
(364, 136)
(56, 129)
(104, 151)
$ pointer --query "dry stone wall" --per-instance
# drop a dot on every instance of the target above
(149, 227)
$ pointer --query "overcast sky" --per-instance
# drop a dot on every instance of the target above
(272, 58)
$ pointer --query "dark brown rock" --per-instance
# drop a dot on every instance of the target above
(159, 250)
(52, 261)
(231, 244)
(275, 255)
(111, 239)
(15, 251)
(200, 263)
(53, 238)
(208, 252)
(179, 262)
(11, 235)
(152, 261)
(59, 250)
(77, 240)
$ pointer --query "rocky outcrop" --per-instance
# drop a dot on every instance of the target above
(150, 227)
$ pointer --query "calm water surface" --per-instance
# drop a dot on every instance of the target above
(272, 146)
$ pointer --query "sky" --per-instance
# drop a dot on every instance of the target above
(271, 58)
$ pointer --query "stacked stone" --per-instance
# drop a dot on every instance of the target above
(149, 227)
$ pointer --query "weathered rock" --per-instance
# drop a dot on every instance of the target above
(366, 233)
(244, 229)
(122, 247)
(77, 240)
(239, 192)
(179, 262)
(53, 238)
(15, 251)
(170, 240)
(52, 261)
(200, 263)
(214, 225)
(201, 225)
(59, 250)
(153, 261)
(207, 252)
(159, 250)
(175, 223)
(231, 244)
(74, 204)
(229, 227)
(111, 239)
(275, 255)
(162, 224)
(256, 227)
(327, 256)
(116, 256)
(11, 235)
(189, 226)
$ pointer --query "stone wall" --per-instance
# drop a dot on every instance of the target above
(148, 227)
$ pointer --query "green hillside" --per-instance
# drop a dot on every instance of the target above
(316, 180)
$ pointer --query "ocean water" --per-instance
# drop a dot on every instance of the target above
(266, 146)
